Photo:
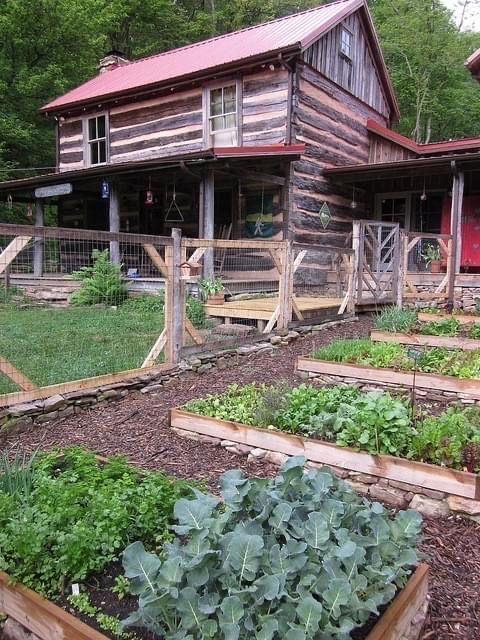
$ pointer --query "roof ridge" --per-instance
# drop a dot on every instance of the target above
(230, 33)
(449, 141)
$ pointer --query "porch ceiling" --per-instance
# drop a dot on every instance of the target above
(405, 168)
(282, 152)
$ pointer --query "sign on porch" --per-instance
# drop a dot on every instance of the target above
(259, 216)
(325, 215)
(54, 190)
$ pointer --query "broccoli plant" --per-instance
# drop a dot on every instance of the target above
(294, 557)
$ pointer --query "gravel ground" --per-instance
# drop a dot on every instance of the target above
(138, 427)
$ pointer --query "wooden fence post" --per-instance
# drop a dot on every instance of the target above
(285, 289)
(174, 299)
(114, 221)
(402, 264)
(357, 282)
(38, 243)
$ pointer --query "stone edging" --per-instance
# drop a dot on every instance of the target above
(24, 414)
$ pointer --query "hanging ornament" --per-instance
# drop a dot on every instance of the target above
(325, 215)
(149, 194)
(29, 212)
(9, 202)
(353, 204)
(104, 189)
(423, 197)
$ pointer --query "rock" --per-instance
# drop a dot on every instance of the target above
(293, 335)
(275, 340)
(275, 457)
(234, 330)
(233, 450)
(394, 497)
(357, 487)
(152, 388)
(257, 454)
(25, 408)
(109, 395)
(228, 443)
(429, 508)
(464, 505)
(363, 478)
(205, 367)
(12, 630)
(429, 493)
(222, 363)
(68, 411)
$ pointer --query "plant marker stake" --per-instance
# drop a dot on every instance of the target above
(415, 355)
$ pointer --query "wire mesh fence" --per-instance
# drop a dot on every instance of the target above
(427, 267)
(73, 305)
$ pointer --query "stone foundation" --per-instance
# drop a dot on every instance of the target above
(25, 414)
(430, 503)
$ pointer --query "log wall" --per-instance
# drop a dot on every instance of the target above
(264, 107)
(359, 76)
(70, 150)
(332, 124)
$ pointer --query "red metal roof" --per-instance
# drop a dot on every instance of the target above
(473, 63)
(445, 146)
(294, 32)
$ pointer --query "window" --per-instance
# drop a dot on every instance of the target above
(223, 115)
(346, 42)
(97, 140)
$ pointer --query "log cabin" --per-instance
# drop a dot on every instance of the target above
(282, 130)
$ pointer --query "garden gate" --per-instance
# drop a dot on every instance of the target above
(377, 255)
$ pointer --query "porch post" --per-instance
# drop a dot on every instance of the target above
(38, 245)
(114, 219)
(456, 230)
(209, 220)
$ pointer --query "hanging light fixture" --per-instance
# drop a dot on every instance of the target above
(423, 197)
(104, 189)
(149, 194)
(353, 204)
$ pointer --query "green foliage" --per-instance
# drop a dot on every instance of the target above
(443, 327)
(195, 311)
(83, 604)
(239, 404)
(16, 473)
(396, 320)
(146, 303)
(374, 422)
(210, 286)
(102, 283)
(295, 556)
(473, 330)
(431, 253)
(79, 515)
(441, 440)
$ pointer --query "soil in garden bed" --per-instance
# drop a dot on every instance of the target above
(138, 427)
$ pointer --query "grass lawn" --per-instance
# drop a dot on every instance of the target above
(57, 345)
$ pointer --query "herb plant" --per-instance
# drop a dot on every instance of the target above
(298, 556)
(80, 513)
(396, 320)
(239, 404)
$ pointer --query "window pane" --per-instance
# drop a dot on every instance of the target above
(230, 121)
(217, 123)
(101, 127)
(216, 102)
(94, 153)
(230, 98)
(102, 151)
(92, 128)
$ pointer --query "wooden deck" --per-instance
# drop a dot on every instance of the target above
(261, 309)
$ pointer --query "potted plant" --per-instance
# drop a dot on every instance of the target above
(432, 257)
(212, 290)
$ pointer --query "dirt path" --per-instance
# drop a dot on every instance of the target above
(137, 427)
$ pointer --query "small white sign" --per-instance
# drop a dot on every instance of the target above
(75, 589)
(54, 190)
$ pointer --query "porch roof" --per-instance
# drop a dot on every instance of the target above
(405, 168)
(291, 151)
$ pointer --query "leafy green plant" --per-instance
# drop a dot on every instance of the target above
(210, 286)
(364, 351)
(79, 515)
(396, 320)
(441, 440)
(82, 603)
(431, 253)
(374, 422)
(238, 403)
(102, 283)
(195, 311)
(273, 402)
(474, 330)
(295, 556)
(443, 327)
(16, 473)
(121, 587)
(146, 303)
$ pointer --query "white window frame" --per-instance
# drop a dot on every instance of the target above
(88, 143)
(342, 50)
(209, 135)
(395, 195)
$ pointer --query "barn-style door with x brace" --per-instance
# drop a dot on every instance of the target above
(377, 246)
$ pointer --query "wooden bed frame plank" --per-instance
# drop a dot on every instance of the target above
(420, 474)
(428, 381)
(462, 319)
(448, 342)
(40, 616)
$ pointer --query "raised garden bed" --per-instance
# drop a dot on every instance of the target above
(408, 472)
(418, 339)
(461, 387)
(463, 318)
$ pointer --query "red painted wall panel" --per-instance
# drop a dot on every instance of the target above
(470, 228)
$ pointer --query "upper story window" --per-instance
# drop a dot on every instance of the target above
(97, 140)
(346, 43)
(223, 115)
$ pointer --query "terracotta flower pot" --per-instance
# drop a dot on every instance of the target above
(216, 298)
(435, 266)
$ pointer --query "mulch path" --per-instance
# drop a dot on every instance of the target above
(138, 427)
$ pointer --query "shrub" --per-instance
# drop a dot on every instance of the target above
(474, 330)
(102, 283)
(195, 311)
(444, 327)
(396, 320)
(295, 556)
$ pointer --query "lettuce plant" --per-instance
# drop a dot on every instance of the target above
(294, 557)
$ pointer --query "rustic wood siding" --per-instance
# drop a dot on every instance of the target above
(154, 128)
(382, 150)
(70, 144)
(365, 84)
(264, 107)
(332, 124)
